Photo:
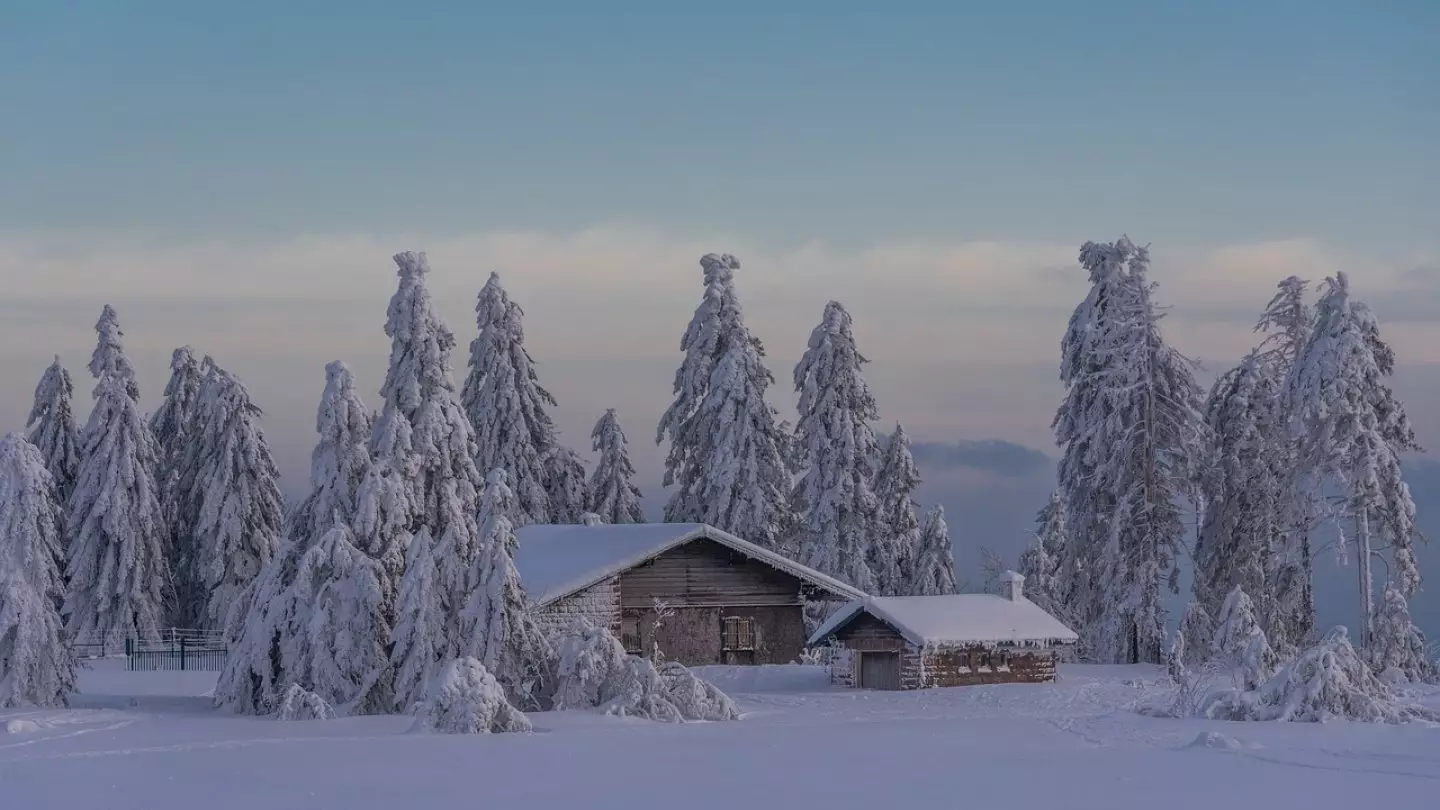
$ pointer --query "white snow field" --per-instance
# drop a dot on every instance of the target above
(151, 740)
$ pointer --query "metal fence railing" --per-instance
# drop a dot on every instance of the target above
(172, 649)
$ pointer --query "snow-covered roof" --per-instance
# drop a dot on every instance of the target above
(970, 618)
(555, 561)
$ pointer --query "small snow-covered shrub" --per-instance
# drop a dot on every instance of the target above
(696, 699)
(1398, 653)
(595, 672)
(298, 704)
(466, 699)
(1328, 681)
(589, 657)
(1240, 643)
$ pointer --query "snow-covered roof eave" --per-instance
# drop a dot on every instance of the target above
(845, 615)
(801, 572)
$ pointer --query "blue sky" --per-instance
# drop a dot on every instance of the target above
(235, 177)
(1193, 122)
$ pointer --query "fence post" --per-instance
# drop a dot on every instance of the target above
(182, 653)
(129, 659)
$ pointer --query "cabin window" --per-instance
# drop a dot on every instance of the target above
(738, 634)
(630, 634)
(1002, 659)
(984, 660)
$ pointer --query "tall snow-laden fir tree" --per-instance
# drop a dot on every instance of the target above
(565, 484)
(897, 531)
(51, 428)
(36, 667)
(506, 404)
(1132, 436)
(175, 424)
(109, 358)
(420, 624)
(1352, 430)
(727, 455)
(240, 514)
(496, 626)
(117, 570)
(835, 498)
(612, 493)
(1040, 562)
(339, 462)
(346, 630)
(1243, 531)
(422, 443)
(935, 562)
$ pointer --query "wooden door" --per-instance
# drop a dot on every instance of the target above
(879, 670)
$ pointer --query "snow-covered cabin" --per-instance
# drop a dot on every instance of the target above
(914, 642)
(733, 602)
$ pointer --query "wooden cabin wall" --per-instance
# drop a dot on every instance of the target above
(599, 604)
(940, 667)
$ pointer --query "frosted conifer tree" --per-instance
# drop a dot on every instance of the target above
(240, 513)
(1240, 642)
(838, 526)
(340, 461)
(1352, 430)
(506, 404)
(1242, 534)
(422, 443)
(1399, 653)
(612, 493)
(1196, 633)
(36, 667)
(496, 626)
(1040, 563)
(269, 645)
(727, 455)
(420, 623)
(174, 424)
(1132, 438)
(935, 562)
(565, 485)
(897, 531)
(51, 428)
(117, 571)
(109, 357)
(341, 589)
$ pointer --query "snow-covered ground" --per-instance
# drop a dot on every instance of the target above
(150, 740)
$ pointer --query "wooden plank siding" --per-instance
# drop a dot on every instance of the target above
(704, 573)
(942, 665)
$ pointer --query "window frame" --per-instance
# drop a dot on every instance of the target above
(738, 634)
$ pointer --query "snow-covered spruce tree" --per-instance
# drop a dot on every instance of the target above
(175, 424)
(1240, 643)
(897, 531)
(727, 455)
(1242, 533)
(835, 498)
(339, 462)
(116, 568)
(1398, 653)
(1195, 634)
(1040, 562)
(506, 405)
(1288, 322)
(565, 485)
(109, 357)
(36, 668)
(612, 493)
(496, 626)
(1132, 436)
(1352, 430)
(269, 646)
(341, 589)
(420, 623)
(51, 428)
(422, 443)
(240, 513)
(935, 562)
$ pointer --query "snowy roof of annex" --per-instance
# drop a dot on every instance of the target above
(968, 618)
(556, 561)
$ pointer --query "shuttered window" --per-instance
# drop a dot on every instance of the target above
(630, 633)
(738, 634)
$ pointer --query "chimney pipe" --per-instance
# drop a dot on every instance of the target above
(1012, 586)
